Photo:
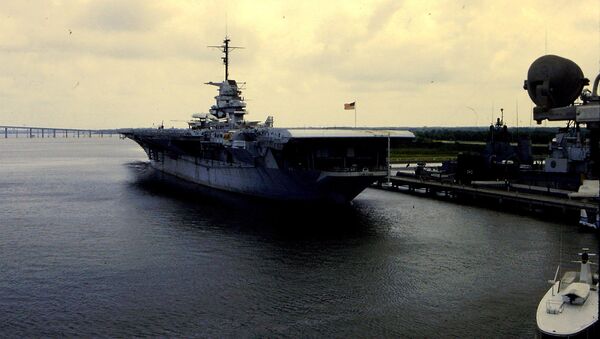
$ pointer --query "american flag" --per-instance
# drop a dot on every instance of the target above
(350, 105)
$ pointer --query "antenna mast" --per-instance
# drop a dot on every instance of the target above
(225, 49)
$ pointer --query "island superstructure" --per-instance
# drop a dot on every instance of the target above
(222, 150)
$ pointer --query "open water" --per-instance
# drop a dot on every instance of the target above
(91, 246)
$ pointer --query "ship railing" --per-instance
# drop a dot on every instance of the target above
(353, 169)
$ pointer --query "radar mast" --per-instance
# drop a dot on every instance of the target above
(225, 49)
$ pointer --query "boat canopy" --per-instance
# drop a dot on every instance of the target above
(576, 293)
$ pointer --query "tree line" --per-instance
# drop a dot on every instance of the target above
(537, 135)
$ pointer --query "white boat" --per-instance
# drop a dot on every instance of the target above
(570, 308)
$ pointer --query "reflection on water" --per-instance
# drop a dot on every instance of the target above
(279, 219)
(94, 245)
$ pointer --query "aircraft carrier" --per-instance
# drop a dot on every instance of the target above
(222, 150)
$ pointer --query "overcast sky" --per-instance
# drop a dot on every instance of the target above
(103, 64)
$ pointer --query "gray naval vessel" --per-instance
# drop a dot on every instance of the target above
(222, 150)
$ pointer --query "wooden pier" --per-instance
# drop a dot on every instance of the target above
(51, 132)
(505, 197)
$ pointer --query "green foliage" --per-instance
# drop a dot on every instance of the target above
(431, 151)
(440, 144)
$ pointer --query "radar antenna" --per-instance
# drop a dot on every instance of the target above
(225, 49)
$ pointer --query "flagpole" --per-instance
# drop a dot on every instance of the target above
(389, 162)
(354, 113)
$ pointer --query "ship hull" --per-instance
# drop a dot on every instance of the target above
(282, 164)
(268, 182)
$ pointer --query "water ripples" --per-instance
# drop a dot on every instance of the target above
(99, 247)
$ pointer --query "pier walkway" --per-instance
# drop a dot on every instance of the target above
(512, 198)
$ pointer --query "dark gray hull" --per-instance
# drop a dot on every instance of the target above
(269, 182)
(283, 164)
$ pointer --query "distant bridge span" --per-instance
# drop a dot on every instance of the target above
(53, 132)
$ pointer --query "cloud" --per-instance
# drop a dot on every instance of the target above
(382, 14)
(408, 63)
(127, 16)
